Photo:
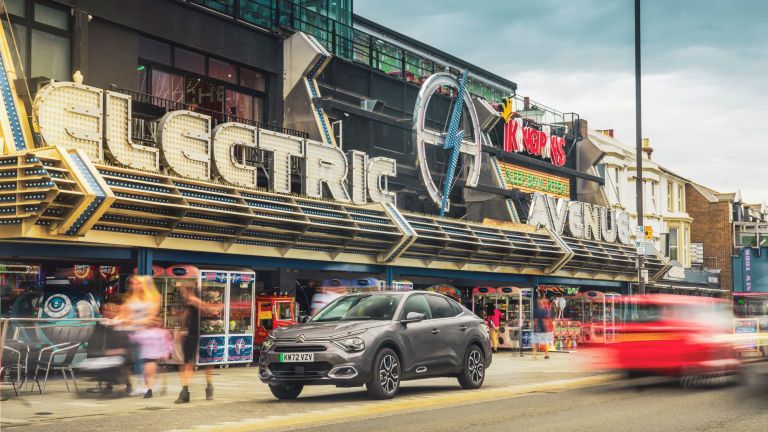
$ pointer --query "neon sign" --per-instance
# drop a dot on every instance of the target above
(527, 180)
(99, 122)
(539, 142)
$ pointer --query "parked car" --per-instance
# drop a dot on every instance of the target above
(677, 336)
(378, 339)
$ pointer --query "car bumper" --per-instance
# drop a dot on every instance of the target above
(331, 366)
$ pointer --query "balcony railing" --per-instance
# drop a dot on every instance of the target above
(354, 45)
(153, 107)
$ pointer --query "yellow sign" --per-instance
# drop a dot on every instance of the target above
(527, 180)
(648, 232)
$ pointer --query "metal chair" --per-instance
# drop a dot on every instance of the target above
(50, 359)
(9, 366)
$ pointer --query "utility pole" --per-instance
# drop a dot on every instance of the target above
(639, 150)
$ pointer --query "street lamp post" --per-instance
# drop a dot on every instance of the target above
(639, 151)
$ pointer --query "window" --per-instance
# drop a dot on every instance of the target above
(189, 61)
(670, 197)
(168, 86)
(253, 79)
(360, 307)
(440, 307)
(239, 105)
(40, 39)
(680, 199)
(672, 244)
(222, 70)
(416, 303)
(156, 51)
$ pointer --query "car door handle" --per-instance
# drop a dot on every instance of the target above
(435, 331)
(463, 328)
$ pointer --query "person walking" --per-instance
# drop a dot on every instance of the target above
(193, 306)
(493, 321)
(139, 315)
(543, 329)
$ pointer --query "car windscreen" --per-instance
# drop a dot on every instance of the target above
(360, 308)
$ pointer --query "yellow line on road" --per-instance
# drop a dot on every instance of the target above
(402, 405)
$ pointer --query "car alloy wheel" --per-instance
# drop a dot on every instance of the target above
(385, 376)
(473, 373)
(476, 367)
(389, 373)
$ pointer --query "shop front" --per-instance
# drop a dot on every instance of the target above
(189, 209)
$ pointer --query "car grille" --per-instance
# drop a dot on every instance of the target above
(300, 370)
(299, 348)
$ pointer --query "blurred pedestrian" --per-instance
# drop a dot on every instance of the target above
(140, 315)
(493, 321)
(193, 306)
(543, 328)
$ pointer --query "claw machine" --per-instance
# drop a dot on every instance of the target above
(169, 282)
(240, 308)
(226, 330)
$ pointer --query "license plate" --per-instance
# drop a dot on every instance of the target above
(297, 357)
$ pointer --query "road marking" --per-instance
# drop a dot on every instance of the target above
(402, 405)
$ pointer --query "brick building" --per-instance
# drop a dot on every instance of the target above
(712, 226)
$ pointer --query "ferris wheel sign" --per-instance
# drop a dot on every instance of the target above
(455, 140)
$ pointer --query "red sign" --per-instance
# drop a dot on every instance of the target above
(518, 138)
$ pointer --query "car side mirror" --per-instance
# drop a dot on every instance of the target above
(412, 317)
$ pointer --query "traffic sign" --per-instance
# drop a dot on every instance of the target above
(648, 232)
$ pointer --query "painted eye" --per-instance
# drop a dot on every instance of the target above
(57, 306)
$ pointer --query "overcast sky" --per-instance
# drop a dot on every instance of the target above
(705, 70)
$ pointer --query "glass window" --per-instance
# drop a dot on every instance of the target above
(680, 199)
(258, 109)
(240, 303)
(141, 79)
(416, 303)
(673, 244)
(52, 17)
(253, 79)
(222, 70)
(360, 307)
(205, 94)
(284, 311)
(20, 35)
(239, 105)
(670, 197)
(50, 56)
(189, 60)
(15, 7)
(155, 51)
(440, 307)
(168, 86)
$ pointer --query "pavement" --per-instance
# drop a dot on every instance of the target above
(242, 402)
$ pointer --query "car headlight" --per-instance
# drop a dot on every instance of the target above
(353, 344)
(267, 344)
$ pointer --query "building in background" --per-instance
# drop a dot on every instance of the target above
(665, 208)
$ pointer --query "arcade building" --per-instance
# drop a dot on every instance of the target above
(291, 141)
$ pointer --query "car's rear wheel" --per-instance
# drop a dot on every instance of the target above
(473, 374)
(385, 379)
(286, 391)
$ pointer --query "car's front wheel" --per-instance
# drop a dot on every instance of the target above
(385, 379)
(473, 374)
(286, 392)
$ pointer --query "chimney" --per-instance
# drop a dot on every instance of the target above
(647, 147)
(606, 132)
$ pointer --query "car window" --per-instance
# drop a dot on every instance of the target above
(417, 303)
(440, 307)
(457, 308)
(359, 307)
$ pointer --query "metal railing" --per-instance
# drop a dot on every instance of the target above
(143, 131)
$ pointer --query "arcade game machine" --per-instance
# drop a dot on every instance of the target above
(598, 317)
(329, 290)
(273, 311)
(402, 285)
(366, 284)
(226, 333)
(168, 282)
(515, 308)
